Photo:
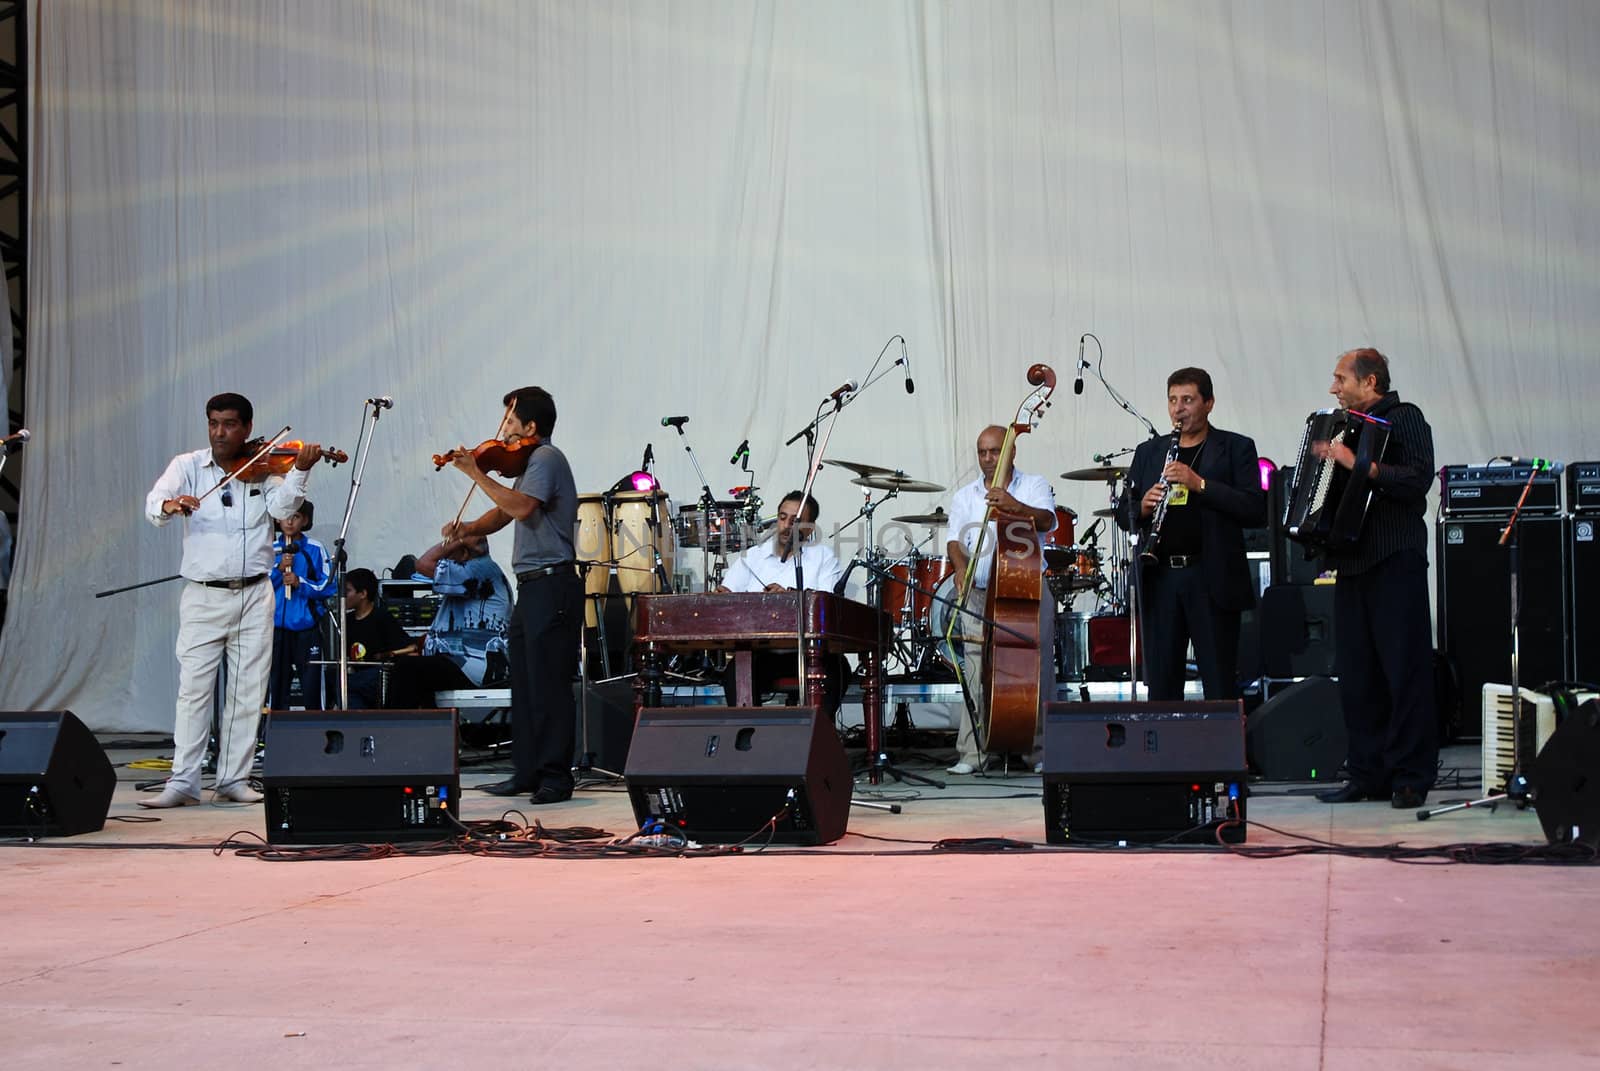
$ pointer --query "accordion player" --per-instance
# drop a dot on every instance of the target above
(1325, 504)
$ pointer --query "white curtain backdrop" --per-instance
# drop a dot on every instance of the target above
(724, 209)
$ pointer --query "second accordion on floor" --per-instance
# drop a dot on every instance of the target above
(1325, 504)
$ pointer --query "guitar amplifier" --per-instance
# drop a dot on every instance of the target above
(1144, 773)
(1469, 490)
(1583, 487)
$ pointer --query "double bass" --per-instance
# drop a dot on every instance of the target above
(1011, 640)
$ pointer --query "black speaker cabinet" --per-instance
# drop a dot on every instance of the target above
(1299, 734)
(360, 776)
(1144, 772)
(1584, 611)
(1473, 608)
(605, 725)
(1297, 630)
(55, 779)
(1566, 779)
(722, 775)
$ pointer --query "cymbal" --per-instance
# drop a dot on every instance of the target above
(1107, 512)
(1103, 474)
(861, 469)
(938, 516)
(898, 481)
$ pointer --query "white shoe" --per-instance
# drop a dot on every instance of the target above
(238, 792)
(961, 768)
(170, 797)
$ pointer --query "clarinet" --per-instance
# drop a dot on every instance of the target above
(1156, 521)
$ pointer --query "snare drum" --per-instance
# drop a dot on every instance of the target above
(720, 530)
(641, 529)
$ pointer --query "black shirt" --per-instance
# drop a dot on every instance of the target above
(1180, 532)
(378, 633)
(1397, 517)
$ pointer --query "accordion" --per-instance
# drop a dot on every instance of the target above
(1325, 504)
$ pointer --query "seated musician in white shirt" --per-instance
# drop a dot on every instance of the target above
(771, 566)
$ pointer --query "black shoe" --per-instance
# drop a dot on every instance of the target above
(1349, 792)
(548, 794)
(1408, 797)
(508, 787)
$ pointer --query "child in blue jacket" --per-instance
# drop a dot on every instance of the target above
(302, 577)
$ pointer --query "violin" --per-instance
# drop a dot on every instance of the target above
(495, 455)
(277, 461)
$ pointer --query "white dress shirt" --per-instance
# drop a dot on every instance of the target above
(760, 566)
(969, 505)
(225, 542)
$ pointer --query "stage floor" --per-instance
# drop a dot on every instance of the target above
(141, 947)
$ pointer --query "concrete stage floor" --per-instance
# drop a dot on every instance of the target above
(141, 947)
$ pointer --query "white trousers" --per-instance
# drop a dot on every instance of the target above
(972, 671)
(215, 623)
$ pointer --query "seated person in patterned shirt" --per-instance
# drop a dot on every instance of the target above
(466, 643)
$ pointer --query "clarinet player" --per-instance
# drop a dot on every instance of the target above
(1190, 496)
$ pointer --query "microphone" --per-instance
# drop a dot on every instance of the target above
(383, 401)
(1088, 536)
(674, 422)
(649, 455)
(743, 451)
(15, 441)
(847, 388)
(1077, 387)
(1539, 464)
(905, 362)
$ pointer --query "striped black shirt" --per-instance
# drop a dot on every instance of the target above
(1397, 517)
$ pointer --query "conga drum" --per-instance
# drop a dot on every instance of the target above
(641, 528)
(593, 544)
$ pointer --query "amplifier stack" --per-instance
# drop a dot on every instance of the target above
(1559, 577)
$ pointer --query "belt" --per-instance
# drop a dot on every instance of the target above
(1180, 561)
(234, 585)
(546, 570)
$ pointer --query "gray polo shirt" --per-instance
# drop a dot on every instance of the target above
(545, 538)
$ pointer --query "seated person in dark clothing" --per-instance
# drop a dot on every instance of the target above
(466, 643)
(371, 635)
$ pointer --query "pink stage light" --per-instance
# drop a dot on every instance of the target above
(1268, 467)
(642, 481)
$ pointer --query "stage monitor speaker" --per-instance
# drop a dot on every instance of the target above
(725, 775)
(1297, 630)
(55, 779)
(361, 776)
(1584, 611)
(1299, 734)
(1473, 607)
(1144, 772)
(602, 741)
(1566, 779)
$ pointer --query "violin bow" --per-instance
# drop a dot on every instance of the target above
(259, 454)
(473, 486)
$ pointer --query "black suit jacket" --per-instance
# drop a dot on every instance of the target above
(1233, 501)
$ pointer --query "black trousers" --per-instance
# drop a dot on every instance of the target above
(542, 649)
(1178, 610)
(1383, 654)
(291, 654)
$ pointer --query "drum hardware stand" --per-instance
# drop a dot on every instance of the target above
(600, 599)
(1516, 789)
(585, 766)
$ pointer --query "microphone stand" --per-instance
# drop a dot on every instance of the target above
(1516, 788)
(708, 505)
(1136, 618)
(363, 449)
(809, 431)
